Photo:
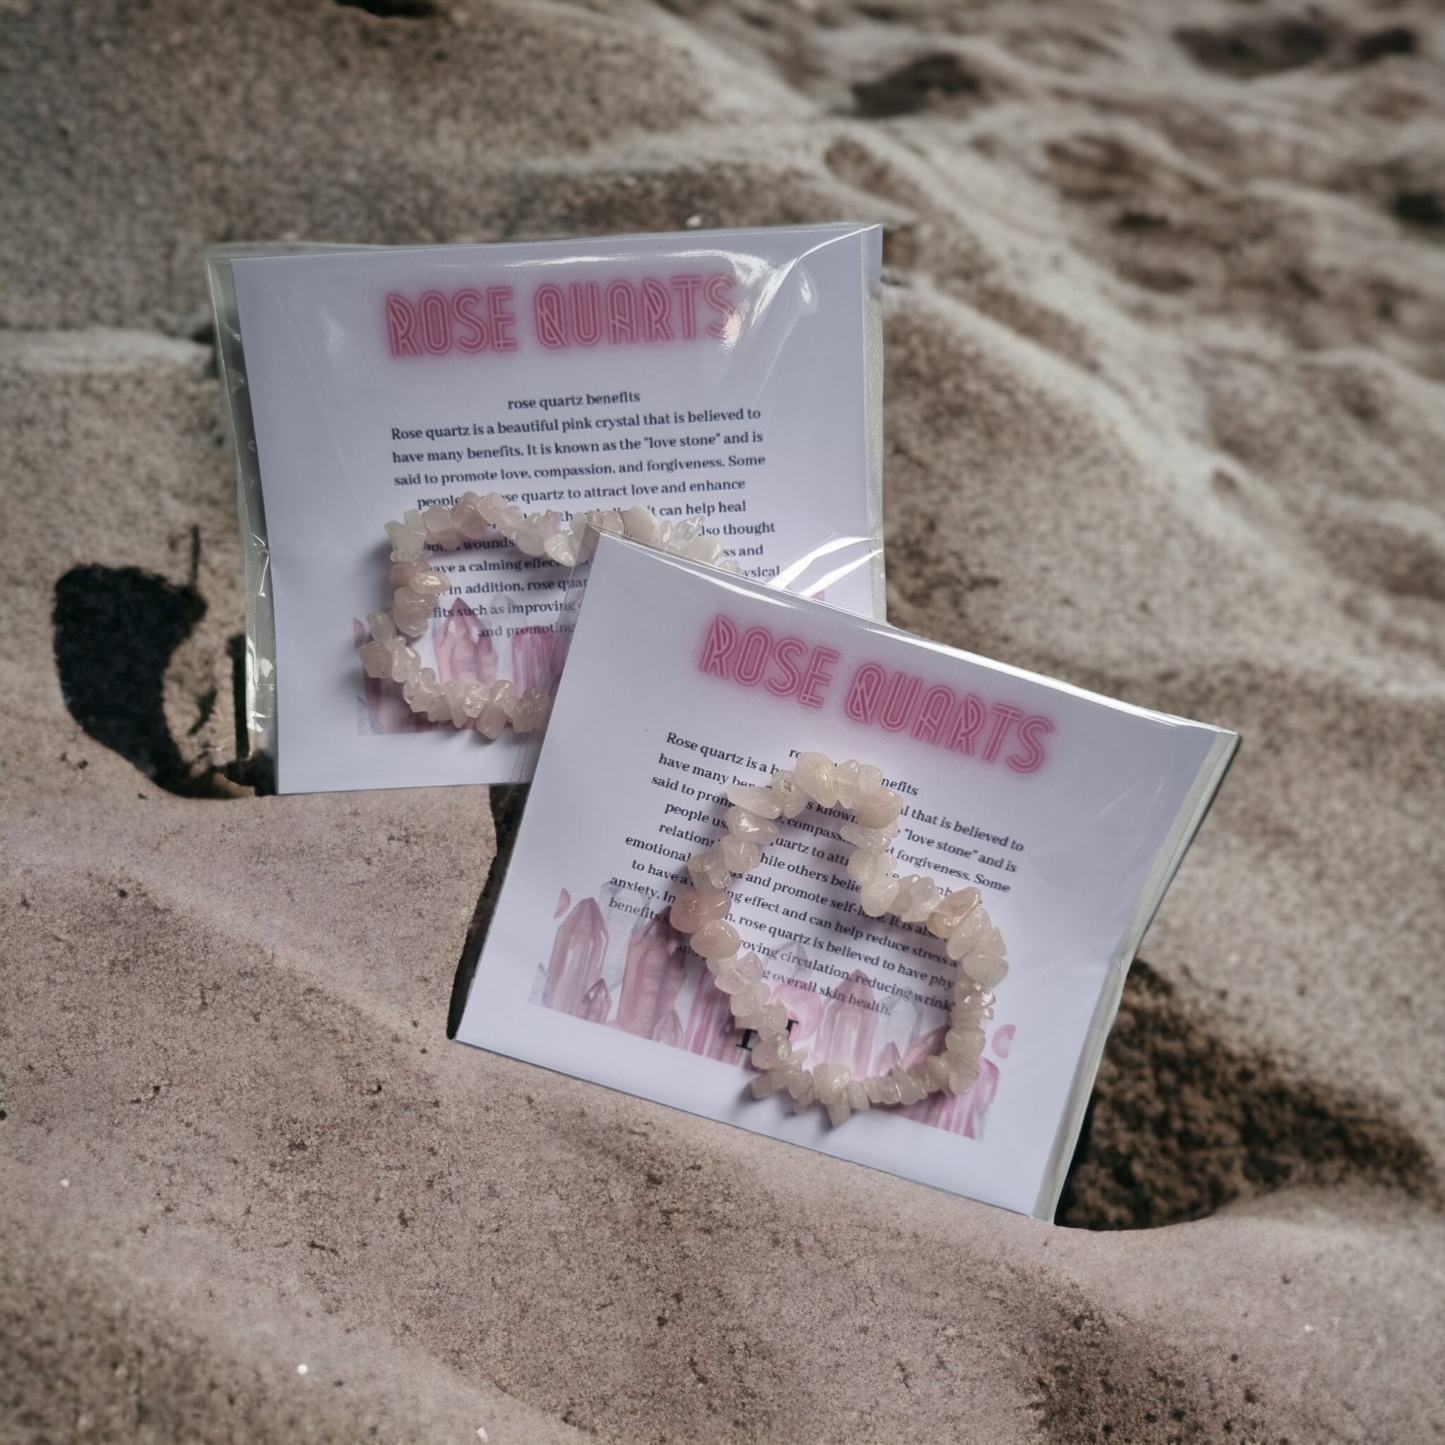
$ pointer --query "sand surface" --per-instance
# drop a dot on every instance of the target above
(1165, 317)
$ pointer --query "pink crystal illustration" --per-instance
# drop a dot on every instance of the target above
(536, 659)
(661, 981)
(846, 1036)
(652, 977)
(576, 963)
(464, 647)
(386, 709)
(710, 1030)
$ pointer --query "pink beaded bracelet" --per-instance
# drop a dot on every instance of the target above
(389, 656)
(958, 918)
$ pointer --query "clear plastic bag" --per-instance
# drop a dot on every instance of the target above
(734, 376)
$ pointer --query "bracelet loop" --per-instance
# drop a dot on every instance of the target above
(957, 918)
(389, 655)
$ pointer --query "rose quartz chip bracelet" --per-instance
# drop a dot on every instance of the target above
(958, 919)
(537, 534)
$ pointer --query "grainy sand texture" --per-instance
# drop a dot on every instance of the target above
(1165, 325)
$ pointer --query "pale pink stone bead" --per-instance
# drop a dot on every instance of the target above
(562, 548)
(817, 777)
(792, 800)
(383, 629)
(961, 1076)
(750, 997)
(773, 1018)
(923, 898)
(742, 824)
(529, 537)
(491, 721)
(750, 967)
(761, 802)
(950, 914)
(867, 866)
(965, 1043)
(642, 526)
(708, 872)
(909, 1089)
(876, 840)
(876, 896)
(984, 968)
(468, 518)
(830, 1082)
(857, 1095)
(803, 1099)
(408, 538)
(504, 696)
(889, 1091)
(855, 779)
(741, 855)
(936, 1069)
(440, 529)
(878, 807)
(715, 939)
(703, 549)
(375, 658)
(770, 1051)
(776, 1080)
(493, 507)
(691, 910)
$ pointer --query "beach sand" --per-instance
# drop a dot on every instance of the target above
(1165, 322)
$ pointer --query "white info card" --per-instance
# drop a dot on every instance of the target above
(734, 376)
(1068, 811)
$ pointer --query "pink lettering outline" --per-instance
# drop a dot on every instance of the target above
(1031, 759)
(586, 312)
(687, 288)
(718, 292)
(819, 675)
(864, 692)
(1004, 718)
(499, 308)
(401, 326)
(721, 637)
(752, 661)
(462, 313)
(436, 323)
(967, 725)
(787, 648)
(549, 312)
(897, 709)
(938, 705)
(656, 304)
(621, 313)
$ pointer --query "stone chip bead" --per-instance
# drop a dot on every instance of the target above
(853, 780)
(715, 939)
(878, 807)
(818, 778)
(691, 910)
(945, 920)
(743, 824)
(741, 855)
(792, 800)
(760, 802)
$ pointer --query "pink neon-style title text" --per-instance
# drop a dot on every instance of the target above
(876, 696)
(560, 316)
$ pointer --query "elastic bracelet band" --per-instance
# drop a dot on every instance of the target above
(489, 709)
(957, 918)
